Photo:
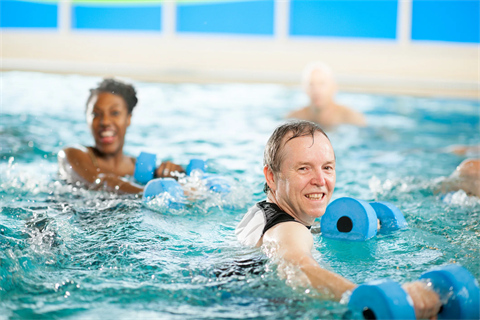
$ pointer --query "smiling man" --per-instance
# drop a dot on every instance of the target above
(299, 169)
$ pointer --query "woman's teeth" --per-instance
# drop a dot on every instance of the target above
(107, 134)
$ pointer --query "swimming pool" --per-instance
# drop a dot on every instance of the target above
(68, 252)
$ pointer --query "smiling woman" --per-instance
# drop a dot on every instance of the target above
(109, 112)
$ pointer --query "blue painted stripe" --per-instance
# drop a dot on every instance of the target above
(24, 14)
(344, 18)
(242, 17)
(447, 20)
(117, 17)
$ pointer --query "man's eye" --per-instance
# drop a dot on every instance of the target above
(328, 168)
(115, 113)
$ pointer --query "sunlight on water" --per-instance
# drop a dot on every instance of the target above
(70, 252)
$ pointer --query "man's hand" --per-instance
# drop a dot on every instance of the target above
(166, 169)
(426, 302)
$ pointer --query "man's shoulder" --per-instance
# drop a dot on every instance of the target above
(351, 116)
(290, 233)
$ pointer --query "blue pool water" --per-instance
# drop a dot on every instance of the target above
(68, 252)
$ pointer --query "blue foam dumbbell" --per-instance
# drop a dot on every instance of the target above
(349, 219)
(174, 192)
(352, 219)
(382, 299)
(195, 164)
(465, 300)
(145, 167)
(386, 299)
(175, 198)
(213, 182)
(391, 218)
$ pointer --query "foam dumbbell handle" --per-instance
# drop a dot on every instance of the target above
(145, 167)
(382, 299)
(195, 164)
(349, 219)
(458, 282)
(175, 198)
(391, 218)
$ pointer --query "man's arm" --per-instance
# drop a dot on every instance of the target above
(293, 243)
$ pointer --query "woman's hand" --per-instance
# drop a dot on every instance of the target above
(426, 302)
(166, 168)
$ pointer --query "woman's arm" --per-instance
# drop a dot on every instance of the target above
(75, 165)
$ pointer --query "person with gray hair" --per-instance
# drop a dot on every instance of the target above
(319, 83)
(299, 170)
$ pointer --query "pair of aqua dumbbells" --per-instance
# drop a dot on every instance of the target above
(457, 288)
(356, 220)
(144, 173)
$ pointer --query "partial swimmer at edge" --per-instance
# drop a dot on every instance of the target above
(319, 84)
(103, 166)
(465, 177)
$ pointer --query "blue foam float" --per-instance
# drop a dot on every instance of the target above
(213, 182)
(349, 219)
(195, 164)
(465, 300)
(145, 167)
(356, 220)
(175, 198)
(382, 299)
(385, 299)
(391, 218)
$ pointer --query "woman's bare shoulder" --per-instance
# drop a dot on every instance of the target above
(76, 156)
(74, 152)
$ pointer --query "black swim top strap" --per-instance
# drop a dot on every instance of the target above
(274, 215)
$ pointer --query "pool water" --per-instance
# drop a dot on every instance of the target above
(69, 252)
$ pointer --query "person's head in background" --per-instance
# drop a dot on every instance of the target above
(109, 112)
(319, 83)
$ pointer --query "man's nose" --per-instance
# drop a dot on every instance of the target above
(318, 178)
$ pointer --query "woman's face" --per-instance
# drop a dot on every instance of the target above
(108, 118)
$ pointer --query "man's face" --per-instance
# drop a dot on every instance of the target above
(307, 177)
(321, 88)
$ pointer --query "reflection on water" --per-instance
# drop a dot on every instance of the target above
(66, 251)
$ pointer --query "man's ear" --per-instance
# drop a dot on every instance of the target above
(270, 178)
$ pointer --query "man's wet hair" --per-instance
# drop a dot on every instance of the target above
(272, 156)
(119, 88)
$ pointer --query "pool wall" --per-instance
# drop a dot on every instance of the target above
(410, 46)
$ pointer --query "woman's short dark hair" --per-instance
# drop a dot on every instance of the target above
(124, 90)
(272, 156)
